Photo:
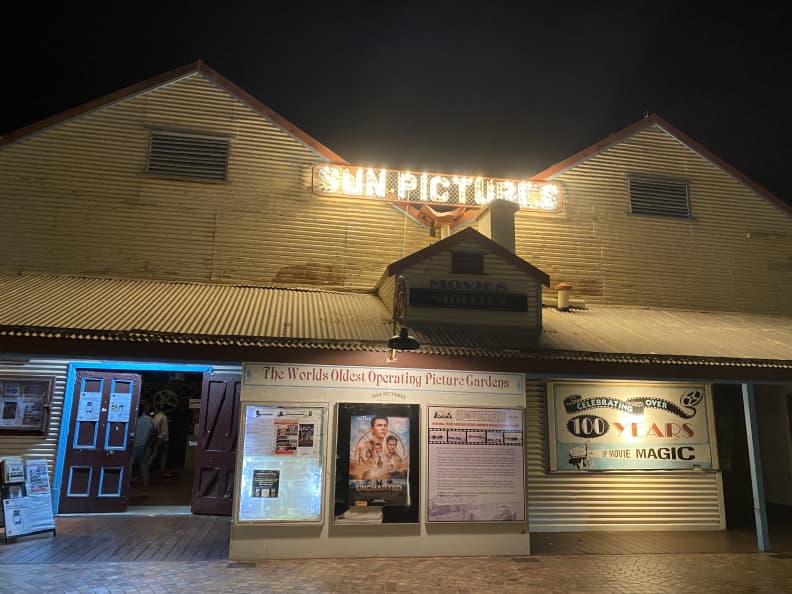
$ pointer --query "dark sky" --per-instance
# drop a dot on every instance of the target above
(499, 93)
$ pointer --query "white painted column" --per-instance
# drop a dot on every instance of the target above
(755, 462)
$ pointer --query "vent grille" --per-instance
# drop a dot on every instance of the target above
(188, 156)
(465, 263)
(656, 196)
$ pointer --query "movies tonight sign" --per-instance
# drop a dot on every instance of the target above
(601, 426)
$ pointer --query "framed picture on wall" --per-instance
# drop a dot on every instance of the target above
(377, 463)
(25, 404)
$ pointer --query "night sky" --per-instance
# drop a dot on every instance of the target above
(499, 93)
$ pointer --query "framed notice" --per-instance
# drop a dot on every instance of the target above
(629, 426)
(281, 467)
(25, 404)
(377, 463)
(476, 465)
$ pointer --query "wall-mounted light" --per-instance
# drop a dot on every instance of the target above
(401, 342)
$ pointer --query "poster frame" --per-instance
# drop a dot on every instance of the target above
(523, 419)
(551, 465)
(45, 399)
(283, 406)
(392, 514)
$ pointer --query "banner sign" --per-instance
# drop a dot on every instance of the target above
(635, 426)
(389, 378)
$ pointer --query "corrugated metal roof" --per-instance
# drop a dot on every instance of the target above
(95, 307)
(186, 313)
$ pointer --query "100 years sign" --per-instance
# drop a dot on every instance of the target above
(635, 426)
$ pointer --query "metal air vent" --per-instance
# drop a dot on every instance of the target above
(188, 156)
(659, 196)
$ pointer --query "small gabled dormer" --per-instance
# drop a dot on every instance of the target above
(465, 279)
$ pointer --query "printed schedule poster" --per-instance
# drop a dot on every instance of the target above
(265, 483)
(281, 472)
(476, 465)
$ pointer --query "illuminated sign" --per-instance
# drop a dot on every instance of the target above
(409, 186)
(629, 426)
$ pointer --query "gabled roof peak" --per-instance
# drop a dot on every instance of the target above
(468, 234)
(652, 119)
(198, 66)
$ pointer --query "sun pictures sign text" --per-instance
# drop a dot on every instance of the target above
(410, 186)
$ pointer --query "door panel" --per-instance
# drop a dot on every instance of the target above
(101, 436)
(215, 456)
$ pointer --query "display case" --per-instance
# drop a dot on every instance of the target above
(377, 464)
(25, 404)
(280, 465)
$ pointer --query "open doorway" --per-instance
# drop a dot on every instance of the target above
(733, 456)
(178, 396)
(98, 429)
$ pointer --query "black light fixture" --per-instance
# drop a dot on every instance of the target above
(402, 342)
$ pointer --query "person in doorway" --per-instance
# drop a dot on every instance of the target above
(160, 423)
(144, 438)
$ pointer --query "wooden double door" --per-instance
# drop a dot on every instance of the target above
(97, 465)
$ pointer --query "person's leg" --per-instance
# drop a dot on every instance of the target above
(137, 459)
(164, 461)
(144, 468)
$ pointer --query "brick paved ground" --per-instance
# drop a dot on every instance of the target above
(666, 574)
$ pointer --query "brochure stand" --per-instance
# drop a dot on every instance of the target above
(27, 500)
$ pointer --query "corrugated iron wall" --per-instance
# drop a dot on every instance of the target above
(264, 225)
(77, 197)
(564, 502)
(734, 253)
(38, 447)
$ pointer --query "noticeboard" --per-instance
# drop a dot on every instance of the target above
(281, 467)
(476, 464)
(27, 507)
(25, 404)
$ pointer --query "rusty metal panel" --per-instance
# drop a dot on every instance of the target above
(733, 254)
(611, 501)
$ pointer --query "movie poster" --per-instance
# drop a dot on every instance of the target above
(379, 459)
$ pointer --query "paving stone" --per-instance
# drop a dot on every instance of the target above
(678, 573)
